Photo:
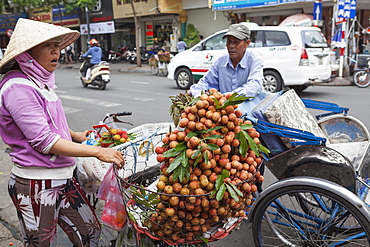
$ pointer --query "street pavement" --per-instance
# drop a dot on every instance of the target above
(9, 227)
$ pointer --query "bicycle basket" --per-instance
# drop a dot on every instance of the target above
(139, 153)
(153, 62)
(166, 57)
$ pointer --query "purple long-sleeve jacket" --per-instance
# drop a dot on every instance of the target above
(32, 120)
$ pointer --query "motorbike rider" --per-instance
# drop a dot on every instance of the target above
(96, 54)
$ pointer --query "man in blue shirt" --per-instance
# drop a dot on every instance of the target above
(96, 54)
(241, 70)
(181, 45)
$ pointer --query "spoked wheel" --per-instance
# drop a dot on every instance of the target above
(361, 79)
(309, 212)
(154, 69)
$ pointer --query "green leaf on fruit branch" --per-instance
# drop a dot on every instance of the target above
(232, 193)
(251, 143)
(234, 99)
(175, 163)
(213, 137)
(212, 146)
(171, 153)
(221, 192)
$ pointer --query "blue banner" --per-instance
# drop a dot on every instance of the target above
(239, 4)
(8, 21)
(346, 9)
(60, 11)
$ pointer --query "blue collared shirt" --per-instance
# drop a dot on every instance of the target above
(246, 78)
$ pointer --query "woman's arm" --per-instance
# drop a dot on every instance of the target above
(72, 149)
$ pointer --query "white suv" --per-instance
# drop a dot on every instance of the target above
(294, 57)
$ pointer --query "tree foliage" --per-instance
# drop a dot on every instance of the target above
(191, 35)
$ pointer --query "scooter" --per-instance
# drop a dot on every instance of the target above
(98, 75)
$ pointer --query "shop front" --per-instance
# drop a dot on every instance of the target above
(7, 24)
(158, 24)
(160, 33)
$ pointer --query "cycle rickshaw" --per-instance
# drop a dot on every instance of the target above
(322, 167)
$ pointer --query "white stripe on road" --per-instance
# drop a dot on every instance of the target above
(143, 99)
(69, 110)
(89, 101)
(139, 82)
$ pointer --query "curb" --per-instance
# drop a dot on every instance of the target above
(129, 68)
(122, 68)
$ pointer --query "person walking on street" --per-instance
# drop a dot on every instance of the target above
(69, 54)
(241, 70)
(96, 54)
(181, 45)
(43, 147)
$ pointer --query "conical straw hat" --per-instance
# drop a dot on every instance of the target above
(28, 34)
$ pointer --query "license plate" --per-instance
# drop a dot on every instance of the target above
(105, 77)
(320, 61)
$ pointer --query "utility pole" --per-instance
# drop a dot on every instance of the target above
(87, 22)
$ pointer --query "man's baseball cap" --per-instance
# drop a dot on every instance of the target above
(239, 31)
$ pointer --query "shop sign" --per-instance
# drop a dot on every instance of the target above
(40, 14)
(240, 4)
(8, 21)
(102, 12)
(123, 9)
(64, 17)
(149, 33)
(98, 28)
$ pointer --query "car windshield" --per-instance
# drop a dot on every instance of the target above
(314, 39)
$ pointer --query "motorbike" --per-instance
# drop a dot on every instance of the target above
(98, 75)
(361, 78)
(144, 55)
(114, 56)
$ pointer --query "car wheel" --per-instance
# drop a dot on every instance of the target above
(184, 78)
(272, 82)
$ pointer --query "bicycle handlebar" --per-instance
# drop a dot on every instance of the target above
(117, 114)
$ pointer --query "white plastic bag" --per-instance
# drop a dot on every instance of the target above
(90, 173)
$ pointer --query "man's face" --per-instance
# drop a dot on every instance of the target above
(236, 47)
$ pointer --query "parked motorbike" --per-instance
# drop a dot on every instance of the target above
(144, 55)
(98, 75)
(121, 55)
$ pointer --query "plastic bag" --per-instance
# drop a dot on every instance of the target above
(90, 173)
(114, 212)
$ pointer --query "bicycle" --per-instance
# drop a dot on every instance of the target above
(159, 62)
(362, 78)
(320, 198)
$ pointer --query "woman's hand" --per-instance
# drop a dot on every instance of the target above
(79, 136)
(112, 156)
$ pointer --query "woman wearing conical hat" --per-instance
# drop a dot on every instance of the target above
(42, 146)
